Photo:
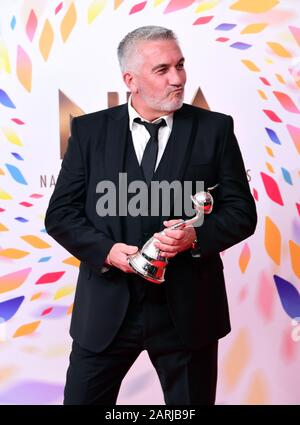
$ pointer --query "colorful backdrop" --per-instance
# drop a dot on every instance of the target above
(58, 60)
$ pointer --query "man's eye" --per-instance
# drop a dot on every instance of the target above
(161, 70)
(180, 66)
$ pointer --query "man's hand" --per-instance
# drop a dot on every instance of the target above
(176, 240)
(117, 256)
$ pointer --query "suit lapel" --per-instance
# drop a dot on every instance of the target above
(118, 123)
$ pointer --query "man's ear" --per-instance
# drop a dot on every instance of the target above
(130, 81)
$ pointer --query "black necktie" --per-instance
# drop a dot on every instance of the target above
(151, 149)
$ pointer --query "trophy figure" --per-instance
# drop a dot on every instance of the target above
(148, 262)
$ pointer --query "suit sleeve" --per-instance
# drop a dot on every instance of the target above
(66, 220)
(235, 218)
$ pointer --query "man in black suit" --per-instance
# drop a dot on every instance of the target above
(117, 313)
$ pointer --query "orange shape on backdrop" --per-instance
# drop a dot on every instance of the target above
(257, 392)
(244, 258)
(27, 329)
(273, 240)
(295, 257)
(46, 40)
(3, 228)
(68, 22)
(262, 94)
(254, 6)
(24, 68)
(279, 50)
(250, 65)
(254, 28)
(35, 241)
(70, 309)
(236, 360)
(13, 253)
(72, 261)
(11, 281)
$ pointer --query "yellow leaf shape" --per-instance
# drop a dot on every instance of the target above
(24, 68)
(279, 49)
(70, 309)
(13, 253)
(68, 22)
(254, 28)
(244, 258)
(4, 59)
(35, 241)
(295, 257)
(46, 40)
(257, 392)
(72, 261)
(269, 151)
(272, 240)
(27, 329)
(250, 65)
(3, 228)
(207, 5)
(158, 2)
(63, 292)
(262, 94)
(4, 195)
(12, 136)
(236, 360)
(13, 280)
(254, 6)
(95, 8)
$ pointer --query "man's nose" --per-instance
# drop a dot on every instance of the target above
(177, 77)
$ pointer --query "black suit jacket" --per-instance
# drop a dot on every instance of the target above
(206, 150)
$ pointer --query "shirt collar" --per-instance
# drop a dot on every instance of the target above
(133, 114)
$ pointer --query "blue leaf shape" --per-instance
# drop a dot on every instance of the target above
(225, 27)
(241, 46)
(13, 22)
(16, 174)
(17, 156)
(289, 296)
(273, 136)
(9, 308)
(5, 99)
(286, 175)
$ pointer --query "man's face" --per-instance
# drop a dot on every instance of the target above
(159, 77)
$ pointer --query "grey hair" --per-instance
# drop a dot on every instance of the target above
(128, 44)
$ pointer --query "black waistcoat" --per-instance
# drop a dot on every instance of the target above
(137, 230)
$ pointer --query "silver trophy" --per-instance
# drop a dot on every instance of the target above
(148, 262)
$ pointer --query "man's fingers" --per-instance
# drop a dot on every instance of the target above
(166, 248)
(166, 240)
(169, 223)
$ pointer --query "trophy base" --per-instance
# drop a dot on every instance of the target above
(149, 269)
